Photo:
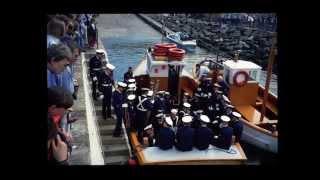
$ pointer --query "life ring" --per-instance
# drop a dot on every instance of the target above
(238, 81)
(165, 46)
(176, 53)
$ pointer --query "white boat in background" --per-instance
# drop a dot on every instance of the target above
(183, 41)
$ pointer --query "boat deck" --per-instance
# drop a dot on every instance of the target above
(156, 156)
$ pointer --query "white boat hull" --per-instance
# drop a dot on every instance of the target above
(188, 47)
(259, 139)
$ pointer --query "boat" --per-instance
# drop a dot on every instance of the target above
(153, 68)
(183, 41)
(248, 100)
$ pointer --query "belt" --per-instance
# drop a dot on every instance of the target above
(96, 69)
(106, 85)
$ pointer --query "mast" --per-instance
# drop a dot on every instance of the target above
(269, 73)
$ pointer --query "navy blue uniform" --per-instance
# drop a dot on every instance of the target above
(166, 138)
(105, 86)
(185, 138)
(95, 65)
(118, 100)
(203, 137)
(224, 87)
(128, 75)
(144, 105)
(225, 139)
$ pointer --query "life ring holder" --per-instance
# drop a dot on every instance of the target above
(239, 73)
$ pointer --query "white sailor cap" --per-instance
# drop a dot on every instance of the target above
(200, 111)
(187, 105)
(131, 97)
(219, 92)
(150, 93)
(166, 93)
(145, 89)
(160, 92)
(198, 89)
(226, 98)
(148, 127)
(125, 105)
(168, 120)
(217, 85)
(187, 119)
(174, 111)
(204, 118)
(122, 84)
(159, 115)
(197, 94)
(230, 106)
(186, 94)
(110, 66)
(225, 118)
(131, 80)
(100, 51)
(132, 86)
(236, 114)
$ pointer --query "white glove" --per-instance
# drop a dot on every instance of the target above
(95, 78)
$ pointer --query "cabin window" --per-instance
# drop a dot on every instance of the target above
(253, 74)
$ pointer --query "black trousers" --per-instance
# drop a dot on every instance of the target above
(119, 115)
(94, 89)
(106, 104)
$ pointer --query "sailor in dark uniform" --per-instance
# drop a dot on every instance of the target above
(223, 84)
(95, 65)
(157, 123)
(203, 135)
(132, 110)
(159, 101)
(185, 135)
(118, 100)
(144, 105)
(148, 136)
(196, 118)
(224, 139)
(166, 137)
(105, 86)
(186, 110)
(236, 125)
(128, 75)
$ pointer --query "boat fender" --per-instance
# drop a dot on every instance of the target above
(241, 82)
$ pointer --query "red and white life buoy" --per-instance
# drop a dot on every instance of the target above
(176, 53)
(161, 49)
(240, 78)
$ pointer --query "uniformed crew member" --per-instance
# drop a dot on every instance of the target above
(203, 135)
(118, 100)
(132, 110)
(128, 75)
(185, 135)
(196, 118)
(186, 110)
(105, 86)
(144, 105)
(224, 139)
(148, 136)
(157, 123)
(95, 65)
(223, 84)
(166, 137)
(236, 125)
